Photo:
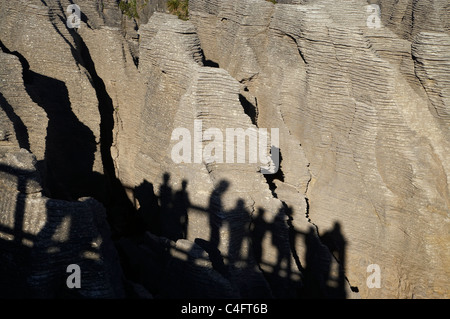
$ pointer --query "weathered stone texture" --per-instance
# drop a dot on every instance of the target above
(376, 141)
(41, 237)
(362, 115)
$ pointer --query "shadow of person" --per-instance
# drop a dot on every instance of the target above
(314, 278)
(336, 243)
(284, 279)
(215, 215)
(238, 222)
(215, 212)
(180, 210)
(258, 230)
(166, 204)
(148, 209)
(293, 233)
(280, 233)
(318, 265)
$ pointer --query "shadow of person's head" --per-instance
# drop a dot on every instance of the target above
(166, 178)
(223, 186)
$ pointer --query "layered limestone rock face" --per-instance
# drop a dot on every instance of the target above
(50, 129)
(40, 238)
(359, 99)
(65, 102)
(182, 90)
(367, 108)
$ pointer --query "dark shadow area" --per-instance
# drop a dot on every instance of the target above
(35, 265)
(279, 175)
(121, 212)
(145, 233)
(259, 228)
(49, 258)
(105, 187)
(238, 221)
(215, 213)
(70, 145)
(210, 63)
(207, 62)
(245, 247)
(249, 109)
(281, 277)
(27, 77)
(15, 257)
(23, 176)
(321, 280)
(150, 261)
(171, 216)
(317, 266)
(292, 235)
(336, 243)
(148, 209)
(181, 204)
(168, 221)
(279, 234)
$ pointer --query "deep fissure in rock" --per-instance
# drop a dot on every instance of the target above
(279, 175)
(249, 109)
(121, 212)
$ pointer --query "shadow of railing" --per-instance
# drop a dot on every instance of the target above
(32, 260)
(286, 279)
(313, 279)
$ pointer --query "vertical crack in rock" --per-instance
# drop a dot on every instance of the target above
(26, 74)
(249, 109)
(116, 202)
(19, 127)
(120, 210)
(279, 175)
(298, 46)
(292, 243)
(320, 238)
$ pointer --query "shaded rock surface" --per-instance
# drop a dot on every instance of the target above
(41, 237)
